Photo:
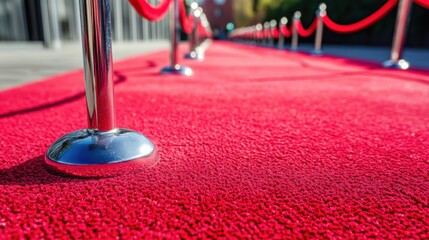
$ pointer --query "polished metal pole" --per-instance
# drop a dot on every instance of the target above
(97, 54)
(193, 37)
(319, 31)
(175, 29)
(174, 67)
(259, 32)
(402, 20)
(266, 29)
(195, 30)
(281, 43)
(296, 18)
(252, 30)
(273, 25)
(205, 41)
(101, 149)
(254, 35)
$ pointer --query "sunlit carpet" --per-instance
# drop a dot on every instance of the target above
(259, 143)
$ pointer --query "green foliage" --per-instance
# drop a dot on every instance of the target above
(244, 13)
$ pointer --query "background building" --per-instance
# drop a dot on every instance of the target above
(53, 21)
(219, 13)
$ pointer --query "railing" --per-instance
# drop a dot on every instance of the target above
(59, 22)
(103, 149)
(262, 35)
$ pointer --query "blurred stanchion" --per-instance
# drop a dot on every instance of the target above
(193, 37)
(102, 149)
(253, 35)
(204, 35)
(266, 33)
(321, 12)
(283, 24)
(273, 27)
(259, 35)
(402, 20)
(175, 67)
(294, 43)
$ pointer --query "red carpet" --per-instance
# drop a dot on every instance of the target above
(259, 143)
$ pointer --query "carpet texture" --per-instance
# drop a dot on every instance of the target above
(259, 143)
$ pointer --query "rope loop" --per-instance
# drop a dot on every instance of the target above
(285, 31)
(151, 13)
(422, 3)
(306, 32)
(362, 24)
(187, 22)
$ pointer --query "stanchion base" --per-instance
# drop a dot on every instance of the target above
(177, 69)
(400, 64)
(194, 55)
(293, 49)
(317, 53)
(90, 153)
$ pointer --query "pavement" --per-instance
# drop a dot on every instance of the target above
(25, 62)
(21, 63)
(417, 57)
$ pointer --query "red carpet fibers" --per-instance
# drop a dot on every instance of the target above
(259, 143)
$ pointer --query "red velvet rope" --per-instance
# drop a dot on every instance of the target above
(285, 31)
(187, 22)
(423, 3)
(150, 12)
(306, 32)
(203, 31)
(275, 33)
(267, 33)
(370, 20)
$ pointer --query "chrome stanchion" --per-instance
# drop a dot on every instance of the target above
(281, 43)
(255, 35)
(402, 18)
(259, 33)
(294, 43)
(273, 25)
(192, 35)
(205, 41)
(194, 51)
(102, 149)
(319, 31)
(265, 33)
(174, 67)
